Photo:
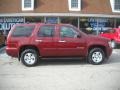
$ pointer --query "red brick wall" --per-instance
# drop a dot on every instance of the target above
(57, 6)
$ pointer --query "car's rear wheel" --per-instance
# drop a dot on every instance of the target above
(96, 56)
(29, 57)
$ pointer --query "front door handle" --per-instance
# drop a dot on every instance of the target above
(38, 40)
(61, 41)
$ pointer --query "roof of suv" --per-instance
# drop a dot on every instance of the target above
(24, 24)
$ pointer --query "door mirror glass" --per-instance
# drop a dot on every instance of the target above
(78, 36)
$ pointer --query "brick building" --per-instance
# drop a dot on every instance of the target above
(88, 15)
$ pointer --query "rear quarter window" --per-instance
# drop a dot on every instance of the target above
(22, 31)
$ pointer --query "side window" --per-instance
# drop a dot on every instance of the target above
(68, 32)
(23, 31)
(46, 31)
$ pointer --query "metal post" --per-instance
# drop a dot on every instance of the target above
(4, 31)
(97, 26)
(78, 23)
(114, 22)
(24, 19)
(59, 20)
(44, 19)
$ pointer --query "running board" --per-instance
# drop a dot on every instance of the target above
(63, 58)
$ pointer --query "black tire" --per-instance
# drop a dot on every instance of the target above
(31, 56)
(96, 56)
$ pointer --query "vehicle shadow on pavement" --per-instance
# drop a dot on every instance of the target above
(114, 59)
(62, 62)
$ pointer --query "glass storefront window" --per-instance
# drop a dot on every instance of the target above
(52, 20)
(6, 23)
(117, 23)
(69, 20)
(95, 25)
(34, 19)
(85, 26)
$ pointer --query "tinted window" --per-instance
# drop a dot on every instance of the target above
(46, 31)
(67, 32)
(23, 31)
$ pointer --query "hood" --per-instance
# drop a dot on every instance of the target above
(97, 38)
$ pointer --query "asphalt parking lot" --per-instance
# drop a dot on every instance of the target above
(60, 75)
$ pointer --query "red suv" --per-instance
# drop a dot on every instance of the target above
(113, 35)
(31, 42)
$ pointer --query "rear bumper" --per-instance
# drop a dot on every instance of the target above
(13, 52)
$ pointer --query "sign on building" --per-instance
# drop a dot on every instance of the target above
(97, 24)
(52, 20)
(6, 23)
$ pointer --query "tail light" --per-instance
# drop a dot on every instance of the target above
(12, 45)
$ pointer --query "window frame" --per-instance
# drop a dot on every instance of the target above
(53, 32)
(112, 2)
(28, 8)
(74, 30)
(74, 8)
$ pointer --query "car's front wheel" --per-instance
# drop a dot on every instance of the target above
(96, 56)
(29, 57)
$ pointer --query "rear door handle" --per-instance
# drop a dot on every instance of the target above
(38, 40)
(61, 41)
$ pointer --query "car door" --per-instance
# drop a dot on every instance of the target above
(71, 43)
(45, 40)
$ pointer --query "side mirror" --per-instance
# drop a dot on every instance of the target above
(78, 36)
